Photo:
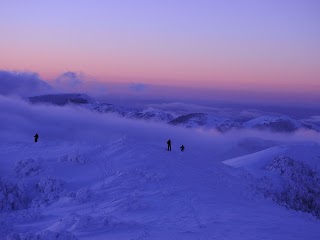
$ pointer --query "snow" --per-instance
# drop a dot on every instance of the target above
(97, 176)
(290, 179)
(12, 195)
(275, 123)
(212, 118)
(26, 167)
(205, 120)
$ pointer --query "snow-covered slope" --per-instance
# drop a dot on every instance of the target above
(194, 120)
(89, 103)
(150, 114)
(189, 120)
(133, 113)
(94, 176)
(289, 175)
(111, 108)
(274, 123)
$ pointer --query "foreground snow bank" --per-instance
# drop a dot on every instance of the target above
(73, 157)
(289, 175)
(300, 185)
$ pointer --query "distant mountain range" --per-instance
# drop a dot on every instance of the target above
(276, 123)
(63, 99)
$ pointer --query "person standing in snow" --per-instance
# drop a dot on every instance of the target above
(36, 137)
(182, 148)
(169, 145)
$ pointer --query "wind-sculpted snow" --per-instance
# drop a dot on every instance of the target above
(43, 235)
(73, 157)
(99, 176)
(76, 222)
(82, 195)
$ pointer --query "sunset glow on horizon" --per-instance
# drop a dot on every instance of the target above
(238, 45)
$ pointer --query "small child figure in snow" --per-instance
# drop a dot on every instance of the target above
(169, 145)
(36, 137)
(182, 148)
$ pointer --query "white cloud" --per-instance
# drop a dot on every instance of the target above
(22, 84)
(21, 120)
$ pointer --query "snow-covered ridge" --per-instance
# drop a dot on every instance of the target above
(89, 103)
(275, 123)
(194, 120)
(63, 99)
(132, 113)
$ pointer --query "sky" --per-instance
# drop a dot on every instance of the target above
(266, 46)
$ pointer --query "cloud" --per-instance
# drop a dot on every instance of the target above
(21, 120)
(22, 84)
(28, 84)
(251, 113)
(69, 80)
(313, 119)
(138, 87)
(76, 82)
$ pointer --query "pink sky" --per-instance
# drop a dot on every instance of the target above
(255, 45)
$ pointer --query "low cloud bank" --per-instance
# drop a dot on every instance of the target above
(26, 84)
(21, 120)
(22, 84)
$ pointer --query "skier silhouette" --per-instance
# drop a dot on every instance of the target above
(169, 145)
(36, 137)
(182, 148)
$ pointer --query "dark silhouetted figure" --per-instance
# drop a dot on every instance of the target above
(182, 148)
(169, 145)
(36, 137)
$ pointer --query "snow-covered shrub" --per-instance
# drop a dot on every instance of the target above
(44, 235)
(12, 195)
(50, 189)
(26, 167)
(300, 185)
(74, 158)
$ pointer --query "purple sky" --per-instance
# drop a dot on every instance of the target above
(256, 46)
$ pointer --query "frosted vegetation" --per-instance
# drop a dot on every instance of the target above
(300, 185)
